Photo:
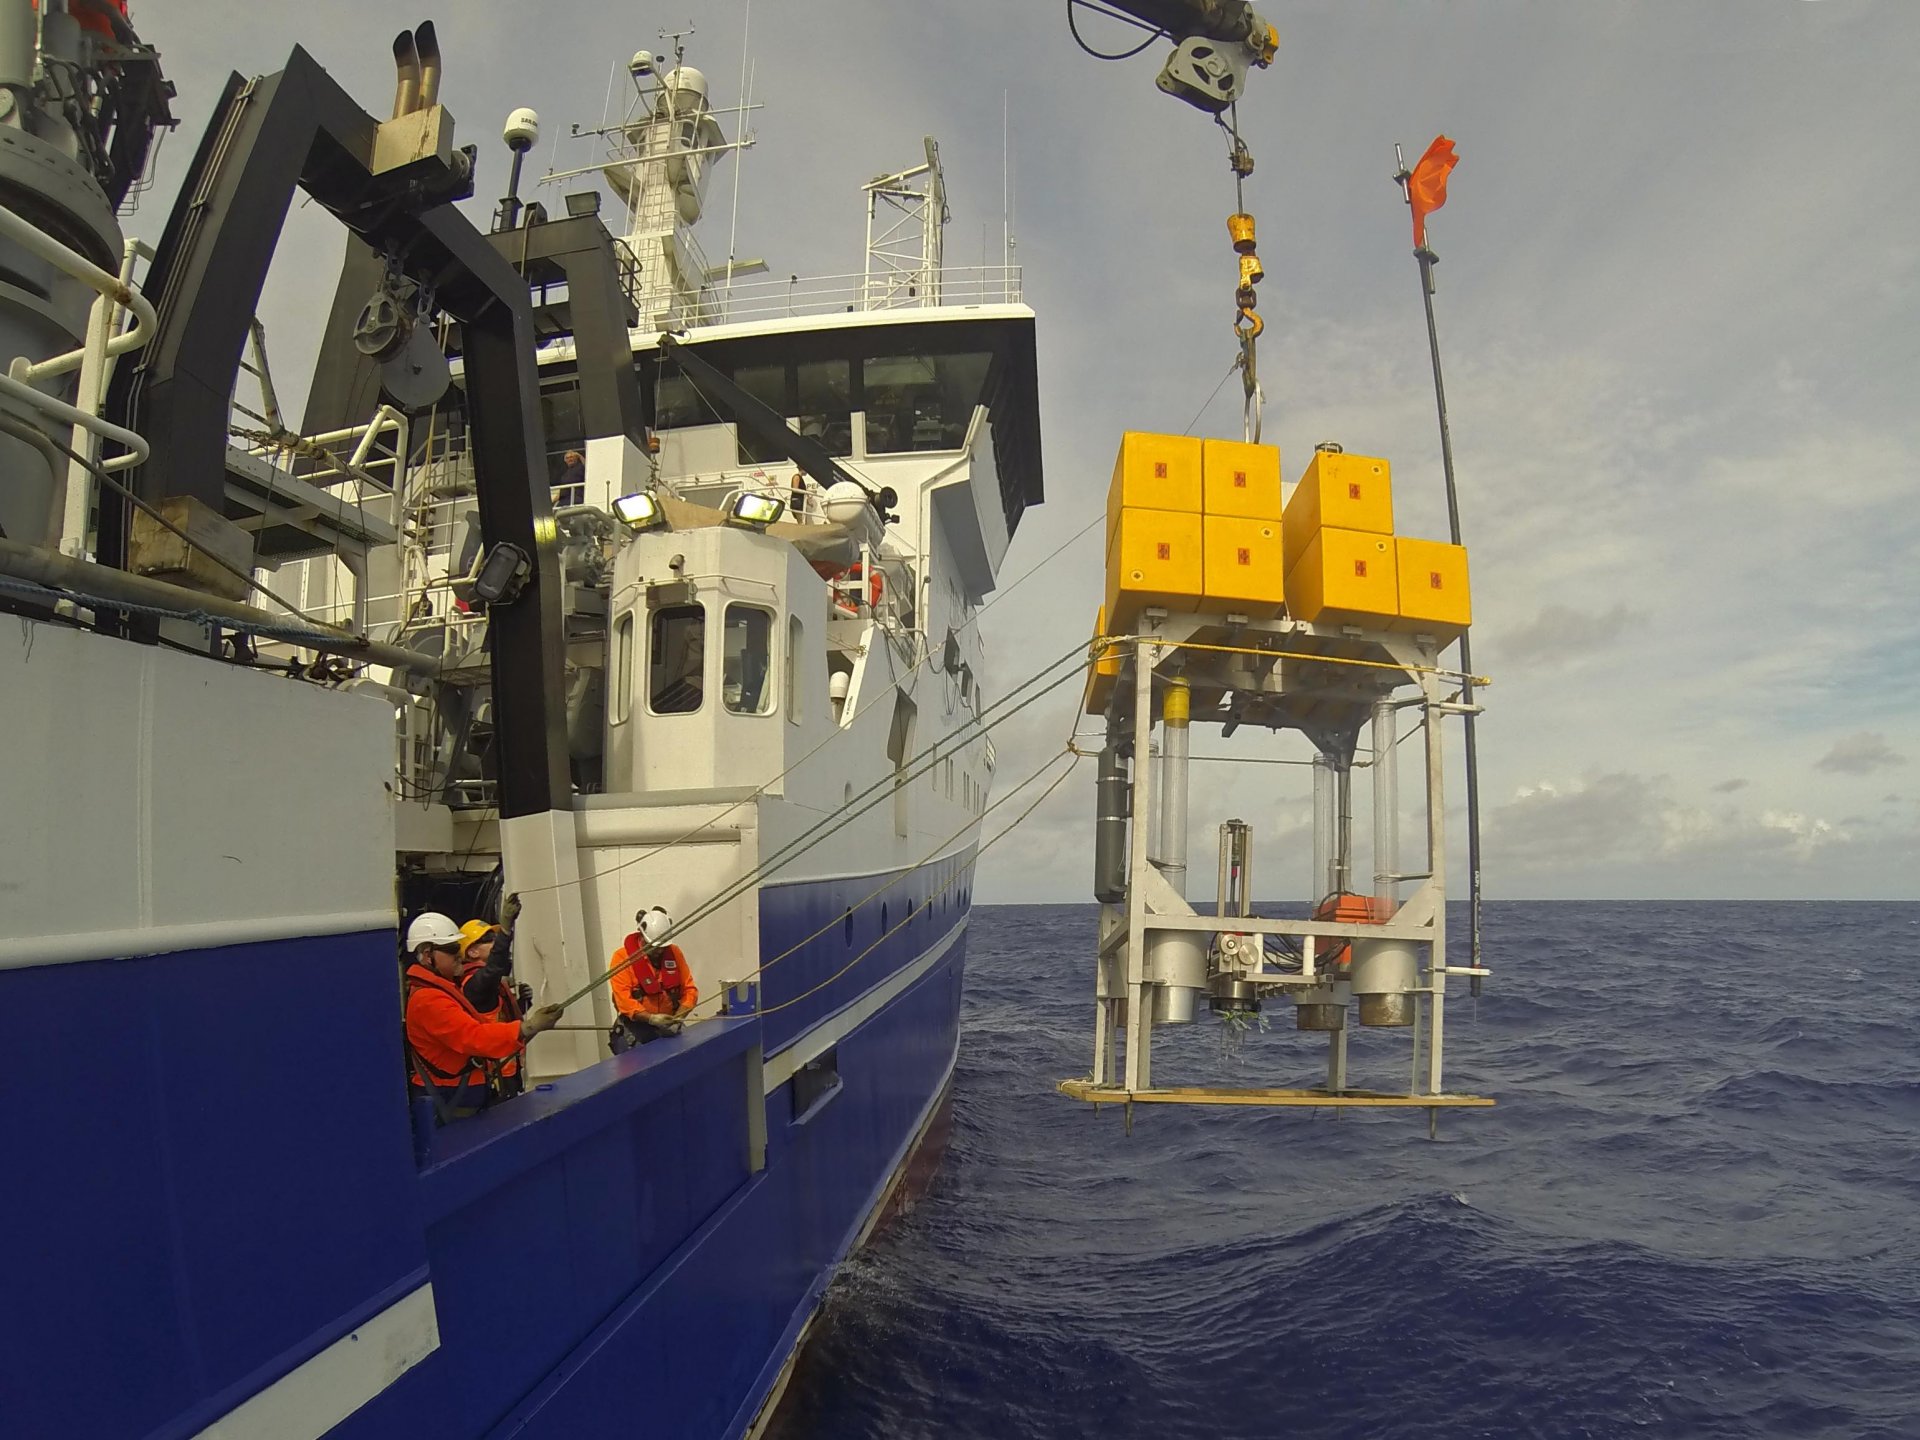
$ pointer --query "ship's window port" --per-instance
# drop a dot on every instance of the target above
(814, 1084)
(814, 396)
(921, 402)
(676, 660)
(746, 660)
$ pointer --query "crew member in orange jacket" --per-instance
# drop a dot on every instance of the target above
(486, 968)
(653, 986)
(450, 1044)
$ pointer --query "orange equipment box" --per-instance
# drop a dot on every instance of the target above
(1345, 577)
(1434, 595)
(1154, 558)
(1344, 492)
(1154, 472)
(1240, 479)
(1244, 572)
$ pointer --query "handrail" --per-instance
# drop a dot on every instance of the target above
(137, 449)
(70, 262)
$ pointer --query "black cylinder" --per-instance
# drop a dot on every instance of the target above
(1113, 800)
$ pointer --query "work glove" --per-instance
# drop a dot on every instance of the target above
(665, 1024)
(545, 1018)
(526, 998)
(500, 961)
(510, 912)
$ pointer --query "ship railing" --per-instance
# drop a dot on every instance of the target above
(119, 303)
(361, 454)
(748, 300)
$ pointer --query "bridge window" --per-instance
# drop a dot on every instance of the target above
(921, 402)
(768, 385)
(746, 660)
(677, 403)
(826, 403)
(796, 681)
(621, 700)
(676, 660)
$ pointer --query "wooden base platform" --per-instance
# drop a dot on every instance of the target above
(1224, 1095)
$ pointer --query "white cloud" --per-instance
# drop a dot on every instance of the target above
(1860, 754)
(1681, 402)
(1618, 818)
(1559, 633)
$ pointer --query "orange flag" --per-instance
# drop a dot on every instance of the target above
(1427, 187)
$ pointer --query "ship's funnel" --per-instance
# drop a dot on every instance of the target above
(406, 65)
(426, 45)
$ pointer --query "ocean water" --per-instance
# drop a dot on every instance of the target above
(1695, 1212)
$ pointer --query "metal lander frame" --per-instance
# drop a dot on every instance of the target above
(1158, 958)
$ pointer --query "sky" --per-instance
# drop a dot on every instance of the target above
(1679, 307)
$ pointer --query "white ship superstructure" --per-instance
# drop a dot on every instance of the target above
(733, 680)
(278, 689)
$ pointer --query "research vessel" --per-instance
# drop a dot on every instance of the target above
(269, 689)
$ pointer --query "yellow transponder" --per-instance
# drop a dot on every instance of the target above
(1245, 570)
(1240, 479)
(1346, 492)
(1106, 669)
(1345, 577)
(1153, 558)
(1434, 595)
(1153, 472)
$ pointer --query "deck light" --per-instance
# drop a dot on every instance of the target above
(639, 511)
(755, 512)
(502, 575)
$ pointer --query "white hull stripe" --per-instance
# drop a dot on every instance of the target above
(19, 952)
(306, 1403)
(836, 1027)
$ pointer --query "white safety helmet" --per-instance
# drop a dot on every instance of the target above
(654, 924)
(430, 927)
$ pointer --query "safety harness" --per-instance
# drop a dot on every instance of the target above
(440, 1083)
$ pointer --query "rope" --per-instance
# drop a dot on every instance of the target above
(1211, 398)
(885, 782)
(107, 479)
(1111, 640)
(908, 918)
(807, 839)
(928, 858)
(1153, 32)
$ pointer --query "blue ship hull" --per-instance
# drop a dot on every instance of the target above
(224, 1199)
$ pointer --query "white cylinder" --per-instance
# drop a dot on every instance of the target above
(1323, 800)
(1173, 787)
(1386, 808)
(1384, 976)
(1177, 964)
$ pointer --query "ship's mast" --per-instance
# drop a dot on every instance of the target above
(661, 162)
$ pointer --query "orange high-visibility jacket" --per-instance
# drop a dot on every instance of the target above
(447, 1032)
(506, 1006)
(662, 978)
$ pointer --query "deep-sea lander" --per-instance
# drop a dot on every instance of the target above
(1226, 608)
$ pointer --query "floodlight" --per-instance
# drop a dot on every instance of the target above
(640, 511)
(755, 512)
(502, 574)
(583, 203)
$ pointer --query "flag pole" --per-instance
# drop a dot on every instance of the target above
(1424, 254)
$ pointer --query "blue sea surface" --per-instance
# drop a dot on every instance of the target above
(1695, 1211)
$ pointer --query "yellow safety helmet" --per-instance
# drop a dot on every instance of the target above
(472, 933)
